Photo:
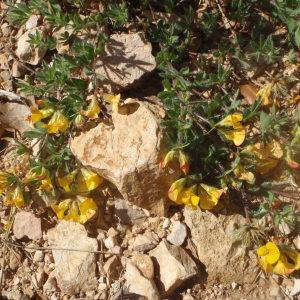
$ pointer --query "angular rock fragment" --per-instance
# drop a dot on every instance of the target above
(178, 234)
(28, 53)
(145, 242)
(127, 59)
(128, 154)
(113, 268)
(74, 270)
(145, 265)
(26, 224)
(174, 266)
(138, 284)
(225, 259)
(13, 116)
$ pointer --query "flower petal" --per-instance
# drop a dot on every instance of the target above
(114, 100)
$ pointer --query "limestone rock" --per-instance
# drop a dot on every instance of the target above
(174, 264)
(145, 265)
(138, 284)
(74, 270)
(26, 224)
(13, 115)
(127, 214)
(27, 52)
(178, 234)
(128, 154)
(145, 242)
(113, 268)
(32, 22)
(225, 259)
(126, 60)
(17, 70)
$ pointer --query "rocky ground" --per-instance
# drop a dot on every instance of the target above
(137, 247)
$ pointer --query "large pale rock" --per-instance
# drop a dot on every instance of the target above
(174, 264)
(128, 154)
(138, 284)
(13, 116)
(225, 259)
(26, 224)
(28, 53)
(126, 60)
(74, 270)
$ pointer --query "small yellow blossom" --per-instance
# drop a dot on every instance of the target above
(80, 209)
(114, 100)
(189, 196)
(57, 123)
(273, 259)
(232, 128)
(3, 181)
(182, 158)
(39, 114)
(266, 156)
(168, 158)
(265, 93)
(14, 197)
(66, 181)
(46, 185)
(175, 190)
(93, 109)
(88, 180)
(184, 162)
(209, 196)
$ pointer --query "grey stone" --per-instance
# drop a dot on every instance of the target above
(178, 233)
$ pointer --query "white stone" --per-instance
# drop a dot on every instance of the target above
(112, 232)
(110, 242)
(26, 224)
(145, 242)
(13, 116)
(138, 284)
(175, 266)
(27, 52)
(74, 270)
(296, 288)
(38, 256)
(178, 233)
(127, 59)
(213, 235)
(32, 22)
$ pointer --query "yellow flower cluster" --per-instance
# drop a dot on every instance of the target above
(79, 209)
(232, 128)
(57, 123)
(207, 197)
(278, 260)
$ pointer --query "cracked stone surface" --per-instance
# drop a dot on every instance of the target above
(128, 154)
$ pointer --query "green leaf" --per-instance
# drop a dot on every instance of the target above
(35, 133)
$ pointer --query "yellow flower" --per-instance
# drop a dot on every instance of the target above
(46, 184)
(58, 123)
(14, 198)
(93, 109)
(276, 260)
(175, 190)
(184, 162)
(241, 173)
(209, 196)
(267, 157)
(80, 209)
(232, 128)
(39, 114)
(67, 180)
(189, 196)
(114, 100)
(88, 180)
(168, 158)
(265, 93)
